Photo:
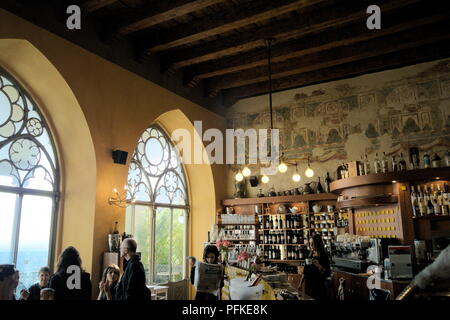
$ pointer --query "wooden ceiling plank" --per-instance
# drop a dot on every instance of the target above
(282, 31)
(308, 45)
(379, 63)
(216, 24)
(405, 40)
(94, 5)
(159, 12)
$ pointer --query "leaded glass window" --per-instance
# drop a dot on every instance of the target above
(158, 217)
(28, 183)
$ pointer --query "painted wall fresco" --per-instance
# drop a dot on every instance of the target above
(339, 121)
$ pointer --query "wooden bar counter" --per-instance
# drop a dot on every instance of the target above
(235, 285)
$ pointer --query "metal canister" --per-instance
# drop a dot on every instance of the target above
(420, 250)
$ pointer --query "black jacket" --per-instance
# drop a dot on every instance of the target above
(58, 282)
(132, 285)
(35, 292)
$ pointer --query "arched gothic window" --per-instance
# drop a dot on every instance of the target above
(158, 217)
(29, 183)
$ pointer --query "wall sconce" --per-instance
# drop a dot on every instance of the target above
(120, 199)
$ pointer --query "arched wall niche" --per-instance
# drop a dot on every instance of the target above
(72, 138)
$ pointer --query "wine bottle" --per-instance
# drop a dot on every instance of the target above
(376, 164)
(394, 164)
(361, 167)
(327, 183)
(430, 208)
(366, 166)
(384, 164)
(426, 160)
(319, 188)
(414, 202)
(401, 163)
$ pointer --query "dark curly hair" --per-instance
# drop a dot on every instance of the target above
(69, 257)
(211, 249)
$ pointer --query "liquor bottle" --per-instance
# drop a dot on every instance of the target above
(296, 254)
(282, 238)
(288, 237)
(436, 208)
(327, 183)
(339, 172)
(319, 188)
(401, 163)
(414, 202)
(426, 160)
(384, 164)
(275, 223)
(361, 167)
(343, 171)
(421, 202)
(445, 201)
(430, 208)
(366, 166)
(376, 164)
(294, 239)
(394, 164)
(271, 223)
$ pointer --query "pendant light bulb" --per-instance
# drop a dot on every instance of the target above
(309, 172)
(246, 172)
(296, 177)
(239, 177)
(265, 179)
(282, 167)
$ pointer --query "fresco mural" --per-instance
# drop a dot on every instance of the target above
(339, 121)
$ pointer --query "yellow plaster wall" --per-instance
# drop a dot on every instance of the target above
(117, 106)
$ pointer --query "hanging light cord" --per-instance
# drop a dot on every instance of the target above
(269, 47)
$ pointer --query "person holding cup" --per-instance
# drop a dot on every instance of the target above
(317, 269)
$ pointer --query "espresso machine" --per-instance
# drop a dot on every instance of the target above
(351, 256)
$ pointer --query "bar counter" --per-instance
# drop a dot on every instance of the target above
(268, 288)
(356, 286)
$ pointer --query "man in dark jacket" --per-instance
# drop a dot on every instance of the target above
(132, 285)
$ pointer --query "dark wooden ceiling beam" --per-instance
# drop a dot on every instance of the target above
(222, 22)
(392, 23)
(333, 57)
(158, 12)
(343, 13)
(90, 6)
(348, 70)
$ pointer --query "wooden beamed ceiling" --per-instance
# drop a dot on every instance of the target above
(222, 43)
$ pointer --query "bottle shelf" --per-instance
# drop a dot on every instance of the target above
(445, 217)
(285, 229)
(427, 174)
(284, 244)
(237, 224)
(279, 260)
